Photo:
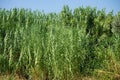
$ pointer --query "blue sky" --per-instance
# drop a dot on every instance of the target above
(56, 5)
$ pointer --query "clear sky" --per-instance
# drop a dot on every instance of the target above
(56, 5)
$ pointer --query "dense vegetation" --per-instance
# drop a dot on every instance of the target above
(59, 46)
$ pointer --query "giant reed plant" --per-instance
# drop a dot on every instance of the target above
(42, 46)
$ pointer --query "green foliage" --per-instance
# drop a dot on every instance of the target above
(116, 24)
(57, 46)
